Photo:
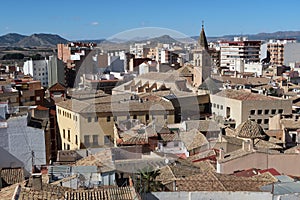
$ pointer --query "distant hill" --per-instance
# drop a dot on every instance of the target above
(10, 39)
(34, 40)
(259, 36)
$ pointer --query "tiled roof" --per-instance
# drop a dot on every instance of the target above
(211, 84)
(169, 136)
(180, 168)
(73, 105)
(111, 193)
(259, 143)
(254, 81)
(202, 125)
(48, 192)
(108, 104)
(290, 123)
(202, 155)
(243, 95)
(57, 87)
(250, 129)
(62, 193)
(193, 139)
(11, 176)
(211, 181)
(158, 76)
(185, 71)
(102, 159)
(294, 149)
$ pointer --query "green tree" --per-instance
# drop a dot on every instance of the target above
(146, 181)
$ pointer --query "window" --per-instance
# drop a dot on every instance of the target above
(76, 139)
(147, 117)
(96, 119)
(259, 112)
(64, 133)
(108, 118)
(266, 121)
(280, 111)
(89, 119)
(106, 139)
(221, 107)
(259, 121)
(95, 140)
(69, 134)
(87, 140)
(214, 105)
(68, 147)
(217, 106)
(64, 146)
(115, 118)
(134, 117)
(252, 112)
(266, 112)
(273, 111)
(165, 116)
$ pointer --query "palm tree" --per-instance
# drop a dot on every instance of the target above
(146, 180)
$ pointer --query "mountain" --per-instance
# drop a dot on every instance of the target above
(42, 39)
(162, 39)
(10, 39)
(259, 36)
(35, 40)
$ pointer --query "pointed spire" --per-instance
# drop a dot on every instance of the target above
(202, 39)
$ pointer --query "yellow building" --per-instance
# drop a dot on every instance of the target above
(90, 123)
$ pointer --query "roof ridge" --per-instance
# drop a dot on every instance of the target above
(213, 174)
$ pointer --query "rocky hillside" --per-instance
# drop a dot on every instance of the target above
(35, 40)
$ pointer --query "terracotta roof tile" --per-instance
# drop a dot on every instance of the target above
(193, 139)
(250, 129)
(11, 175)
(243, 95)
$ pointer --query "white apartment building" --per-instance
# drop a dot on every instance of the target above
(38, 69)
(239, 49)
(139, 50)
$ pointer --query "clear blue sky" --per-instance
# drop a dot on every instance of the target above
(97, 19)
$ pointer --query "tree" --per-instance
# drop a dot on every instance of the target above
(146, 181)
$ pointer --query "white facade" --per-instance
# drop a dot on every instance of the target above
(252, 67)
(240, 49)
(137, 49)
(38, 69)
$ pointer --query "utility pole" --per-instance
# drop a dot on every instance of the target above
(32, 161)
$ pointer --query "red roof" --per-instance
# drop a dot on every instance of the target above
(272, 171)
(57, 87)
(252, 172)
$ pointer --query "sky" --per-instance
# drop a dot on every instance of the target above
(101, 19)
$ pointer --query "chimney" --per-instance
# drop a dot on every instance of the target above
(36, 181)
(221, 153)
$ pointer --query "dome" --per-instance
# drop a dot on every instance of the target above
(250, 129)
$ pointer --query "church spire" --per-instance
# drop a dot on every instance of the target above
(202, 39)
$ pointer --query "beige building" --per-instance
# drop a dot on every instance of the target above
(90, 123)
(239, 105)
